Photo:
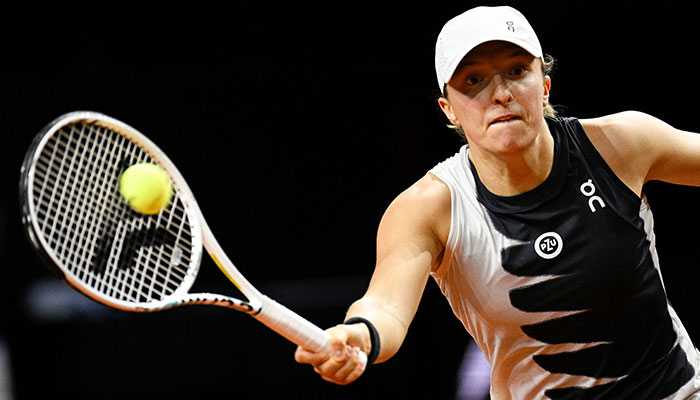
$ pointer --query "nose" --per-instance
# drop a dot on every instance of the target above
(501, 94)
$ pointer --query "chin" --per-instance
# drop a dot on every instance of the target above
(512, 139)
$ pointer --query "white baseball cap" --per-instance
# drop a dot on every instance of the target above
(483, 24)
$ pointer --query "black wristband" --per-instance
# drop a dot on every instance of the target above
(373, 337)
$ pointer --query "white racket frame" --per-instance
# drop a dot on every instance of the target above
(269, 312)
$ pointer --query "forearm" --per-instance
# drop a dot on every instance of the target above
(391, 324)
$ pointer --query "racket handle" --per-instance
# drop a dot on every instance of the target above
(292, 326)
(295, 328)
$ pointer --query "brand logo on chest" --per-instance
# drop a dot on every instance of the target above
(549, 245)
(588, 190)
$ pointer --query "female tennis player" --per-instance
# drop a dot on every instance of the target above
(537, 231)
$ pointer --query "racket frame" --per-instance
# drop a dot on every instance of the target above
(267, 311)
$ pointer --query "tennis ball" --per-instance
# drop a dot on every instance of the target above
(146, 188)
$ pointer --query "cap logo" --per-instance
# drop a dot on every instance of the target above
(511, 26)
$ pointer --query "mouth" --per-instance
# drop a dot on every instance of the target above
(504, 119)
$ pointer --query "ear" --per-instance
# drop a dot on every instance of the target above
(547, 89)
(446, 108)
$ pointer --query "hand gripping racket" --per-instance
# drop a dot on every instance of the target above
(88, 236)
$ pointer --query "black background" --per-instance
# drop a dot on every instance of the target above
(295, 128)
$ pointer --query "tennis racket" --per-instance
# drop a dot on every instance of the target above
(88, 236)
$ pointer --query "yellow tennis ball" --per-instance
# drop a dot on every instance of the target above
(146, 188)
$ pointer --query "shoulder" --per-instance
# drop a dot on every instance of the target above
(628, 126)
(424, 207)
(428, 188)
(429, 195)
(662, 151)
(425, 199)
(631, 142)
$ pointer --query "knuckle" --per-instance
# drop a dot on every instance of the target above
(298, 357)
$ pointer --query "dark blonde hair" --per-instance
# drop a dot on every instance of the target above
(549, 111)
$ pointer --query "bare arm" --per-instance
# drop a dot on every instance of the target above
(641, 148)
(410, 242)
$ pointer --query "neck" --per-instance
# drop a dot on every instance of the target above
(518, 172)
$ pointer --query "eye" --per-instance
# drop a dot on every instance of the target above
(518, 71)
(472, 80)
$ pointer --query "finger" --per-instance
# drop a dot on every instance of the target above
(359, 369)
(349, 366)
(341, 363)
(329, 368)
(304, 356)
(351, 369)
(337, 344)
(337, 367)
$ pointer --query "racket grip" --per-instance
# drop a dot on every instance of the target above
(295, 328)
(292, 326)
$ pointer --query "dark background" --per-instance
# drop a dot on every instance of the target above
(295, 128)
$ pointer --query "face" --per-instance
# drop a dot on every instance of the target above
(497, 96)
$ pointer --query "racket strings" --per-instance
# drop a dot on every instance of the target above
(102, 242)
